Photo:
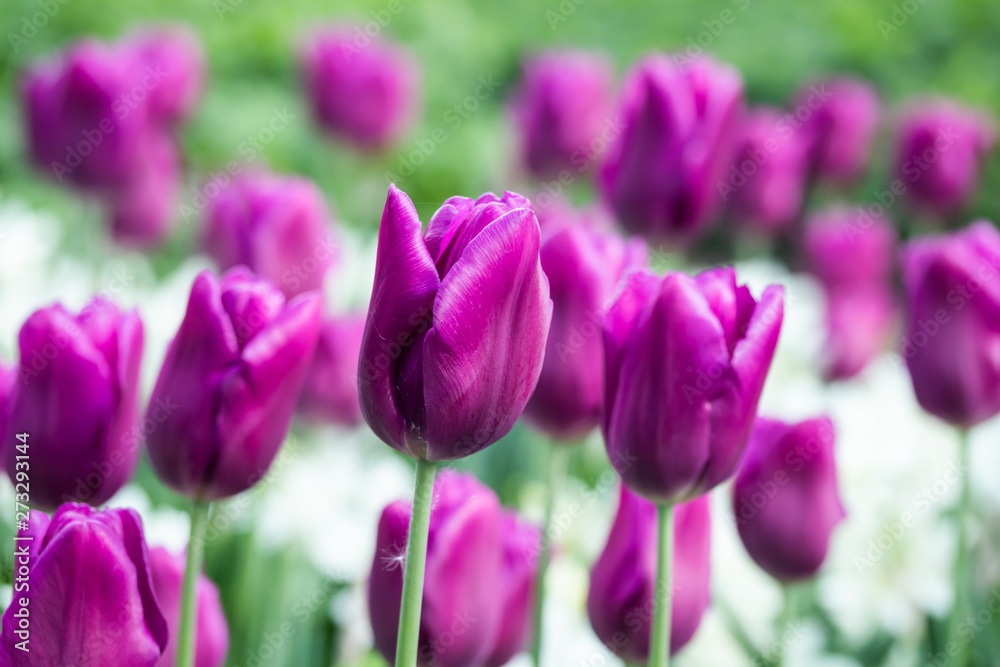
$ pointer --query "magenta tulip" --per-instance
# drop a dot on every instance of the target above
(330, 393)
(841, 125)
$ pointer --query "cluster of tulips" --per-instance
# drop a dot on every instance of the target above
(493, 309)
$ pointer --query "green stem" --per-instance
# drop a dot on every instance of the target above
(413, 567)
(189, 594)
(659, 645)
(962, 606)
(558, 459)
(789, 612)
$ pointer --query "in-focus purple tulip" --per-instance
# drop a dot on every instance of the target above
(278, 226)
(562, 108)
(456, 327)
(175, 65)
(685, 363)
(843, 118)
(211, 642)
(89, 596)
(939, 150)
(330, 393)
(664, 169)
(464, 583)
(518, 574)
(584, 265)
(229, 384)
(775, 166)
(360, 88)
(143, 209)
(785, 496)
(622, 597)
(952, 341)
(76, 396)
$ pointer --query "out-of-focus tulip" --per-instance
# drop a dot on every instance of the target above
(775, 166)
(143, 210)
(278, 226)
(584, 265)
(211, 633)
(360, 88)
(939, 148)
(89, 595)
(785, 496)
(330, 393)
(8, 378)
(844, 114)
(685, 363)
(175, 65)
(519, 571)
(952, 342)
(663, 171)
(231, 379)
(858, 322)
(77, 398)
(622, 599)
(562, 108)
(456, 327)
(465, 577)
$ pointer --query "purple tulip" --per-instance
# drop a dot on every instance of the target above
(663, 170)
(775, 166)
(212, 632)
(330, 393)
(77, 399)
(844, 114)
(939, 148)
(457, 325)
(685, 363)
(88, 593)
(561, 109)
(953, 330)
(621, 599)
(8, 380)
(229, 384)
(143, 210)
(519, 571)
(278, 226)
(175, 69)
(463, 584)
(360, 88)
(584, 265)
(785, 496)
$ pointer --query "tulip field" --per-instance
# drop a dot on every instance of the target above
(572, 334)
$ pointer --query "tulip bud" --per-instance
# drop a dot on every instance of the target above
(622, 596)
(939, 148)
(844, 114)
(77, 399)
(785, 496)
(775, 166)
(463, 584)
(173, 70)
(87, 593)
(142, 211)
(211, 633)
(360, 88)
(685, 363)
(584, 265)
(330, 393)
(561, 109)
(519, 571)
(953, 329)
(456, 327)
(229, 384)
(278, 226)
(665, 173)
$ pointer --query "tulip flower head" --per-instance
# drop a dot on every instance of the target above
(841, 126)
(330, 393)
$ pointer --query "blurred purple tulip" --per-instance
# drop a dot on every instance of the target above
(330, 393)
(90, 599)
(360, 88)
(663, 171)
(173, 55)
(621, 599)
(457, 325)
(785, 496)
(584, 265)
(518, 573)
(685, 362)
(212, 632)
(939, 148)
(8, 380)
(952, 342)
(775, 166)
(561, 109)
(278, 226)
(231, 379)
(841, 127)
(143, 210)
(77, 397)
